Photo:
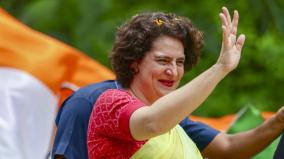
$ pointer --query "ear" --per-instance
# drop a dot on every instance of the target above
(134, 67)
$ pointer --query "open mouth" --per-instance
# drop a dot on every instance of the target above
(167, 83)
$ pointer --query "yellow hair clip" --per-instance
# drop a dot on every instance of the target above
(159, 22)
(177, 19)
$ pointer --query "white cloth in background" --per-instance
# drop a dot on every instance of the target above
(27, 112)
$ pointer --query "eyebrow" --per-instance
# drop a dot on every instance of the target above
(167, 57)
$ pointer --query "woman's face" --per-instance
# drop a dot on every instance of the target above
(160, 71)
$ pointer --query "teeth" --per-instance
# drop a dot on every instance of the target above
(168, 83)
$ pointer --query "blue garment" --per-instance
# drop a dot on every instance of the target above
(73, 117)
(279, 153)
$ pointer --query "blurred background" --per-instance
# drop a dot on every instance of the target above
(89, 25)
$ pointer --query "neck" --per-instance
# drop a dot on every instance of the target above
(138, 94)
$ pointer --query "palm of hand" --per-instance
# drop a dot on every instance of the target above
(231, 46)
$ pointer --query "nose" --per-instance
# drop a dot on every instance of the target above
(172, 70)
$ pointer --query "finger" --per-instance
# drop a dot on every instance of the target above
(235, 22)
(227, 15)
(225, 37)
(240, 42)
(223, 19)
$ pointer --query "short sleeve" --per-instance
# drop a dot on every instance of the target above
(111, 114)
(200, 133)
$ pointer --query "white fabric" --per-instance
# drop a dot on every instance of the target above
(27, 112)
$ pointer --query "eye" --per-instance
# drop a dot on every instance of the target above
(180, 62)
(162, 61)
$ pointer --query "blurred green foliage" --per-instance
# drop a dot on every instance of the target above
(89, 25)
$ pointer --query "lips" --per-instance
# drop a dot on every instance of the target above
(167, 83)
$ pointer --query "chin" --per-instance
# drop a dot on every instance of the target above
(164, 92)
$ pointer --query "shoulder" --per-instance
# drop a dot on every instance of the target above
(116, 95)
(119, 103)
(111, 114)
(118, 92)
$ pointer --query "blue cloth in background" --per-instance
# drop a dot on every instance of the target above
(279, 153)
(73, 118)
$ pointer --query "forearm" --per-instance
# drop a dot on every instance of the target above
(185, 100)
(246, 144)
(172, 108)
(252, 142)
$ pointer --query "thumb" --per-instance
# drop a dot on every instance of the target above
(240, 42)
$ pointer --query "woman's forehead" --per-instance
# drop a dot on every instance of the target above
(167, 46)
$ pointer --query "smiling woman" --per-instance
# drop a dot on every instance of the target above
(149, 57)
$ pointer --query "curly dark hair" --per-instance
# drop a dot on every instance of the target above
(134, 39)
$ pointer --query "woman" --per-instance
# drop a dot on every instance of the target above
(149, 57)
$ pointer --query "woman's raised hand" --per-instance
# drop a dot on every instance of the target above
(231, 44)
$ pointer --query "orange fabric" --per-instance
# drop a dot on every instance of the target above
(223, 123)
(46, 58)
(267, 115)
(64, 93)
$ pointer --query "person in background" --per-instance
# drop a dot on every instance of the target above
(279, 153)
(155, 49)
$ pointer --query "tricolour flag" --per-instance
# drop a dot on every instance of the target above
(33, 68)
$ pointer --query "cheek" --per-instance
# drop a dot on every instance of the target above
(181, 72)
(155, 69)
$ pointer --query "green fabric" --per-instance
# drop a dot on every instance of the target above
(174, 144)
(249, 117)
